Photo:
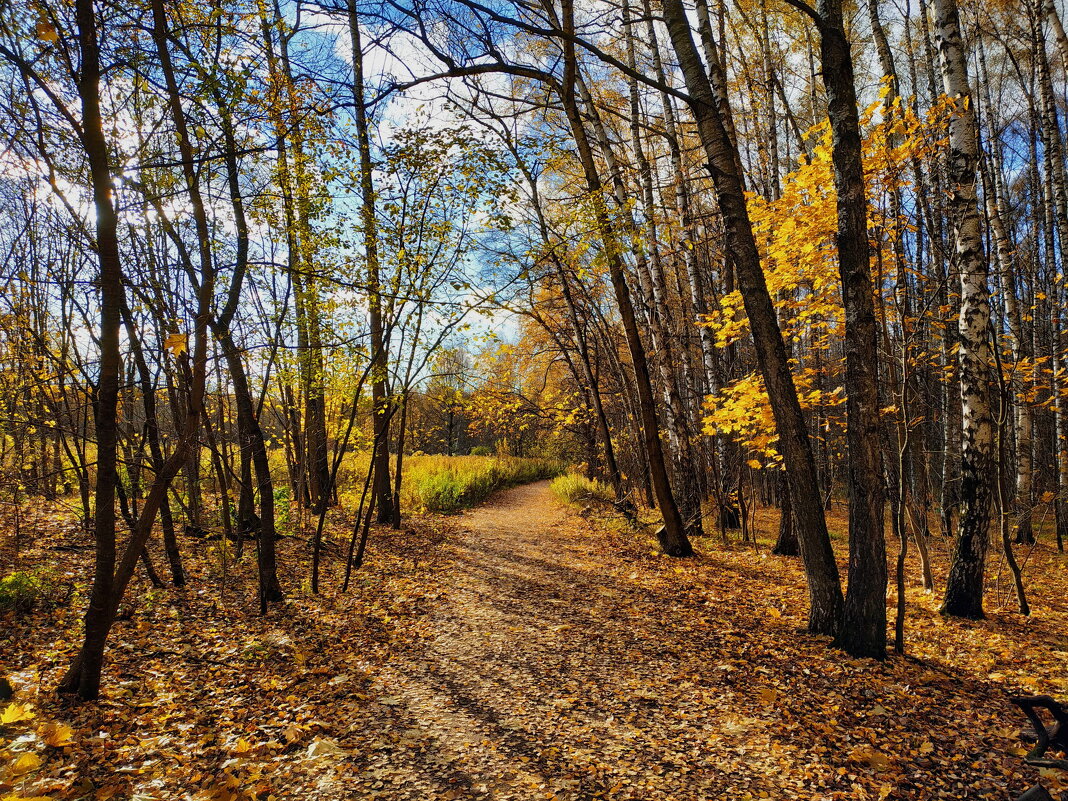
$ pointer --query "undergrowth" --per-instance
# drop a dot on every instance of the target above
(25, 590)
(573, 487)
(450, 483)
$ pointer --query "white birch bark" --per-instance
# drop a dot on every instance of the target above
(964, 588)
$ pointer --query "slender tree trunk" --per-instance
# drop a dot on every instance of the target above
(672, 535)
(1060, 433)
(1002, 478)
(1004, 254)
(608, 449)
(148, 395)
(786, 542)
(83, 675)
(86, 681)
(668, 350)
(379, 377)
(1055, 24)
(316, 457)
(964, 588)
(1056, 202)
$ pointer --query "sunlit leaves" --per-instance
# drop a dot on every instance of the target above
(796, 234)
(176, 344)
(17, 713)
(46, 32)
(56, 735)
(27, 763)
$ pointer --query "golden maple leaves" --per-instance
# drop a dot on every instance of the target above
(19, 765)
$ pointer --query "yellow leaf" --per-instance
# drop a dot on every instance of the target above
(46, 33)
(56, 735)
(242, 747)
(25, 764)
(177, 344)
(867, 755)
(17, 713)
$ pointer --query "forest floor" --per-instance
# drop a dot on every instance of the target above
(524, 651)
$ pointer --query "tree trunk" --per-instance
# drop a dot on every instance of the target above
(83, 675)
(86, 681)
(786, 542)
(379, 354)
(863, 631)
(672, 535)
(964, 588)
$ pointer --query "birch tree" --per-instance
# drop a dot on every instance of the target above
(964, 587)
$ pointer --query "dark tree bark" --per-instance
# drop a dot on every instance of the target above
(86, 681)
(379, 349)
(83, 676)
(672, 535)
(786, 543)
(863, 631)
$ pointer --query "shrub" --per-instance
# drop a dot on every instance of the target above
(573, 487)
(24, 590)
(281, 505)
(481, 450)
(441, 492)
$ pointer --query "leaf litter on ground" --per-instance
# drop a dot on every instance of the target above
(522, 651)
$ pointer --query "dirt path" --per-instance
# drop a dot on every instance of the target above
(527, 688)
(549, 674)
(504, 631)
(565, 664)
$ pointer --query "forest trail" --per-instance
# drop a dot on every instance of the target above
(514, 622)
(539, 659)
(565, 662)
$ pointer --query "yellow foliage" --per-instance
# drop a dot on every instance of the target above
(56, 735)
(17, 713)
(742, 412)
(795, 234)
(27, 763)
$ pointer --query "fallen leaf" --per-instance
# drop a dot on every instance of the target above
(56, 735)
(17, 713)
(26, 764)
(321, 748)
